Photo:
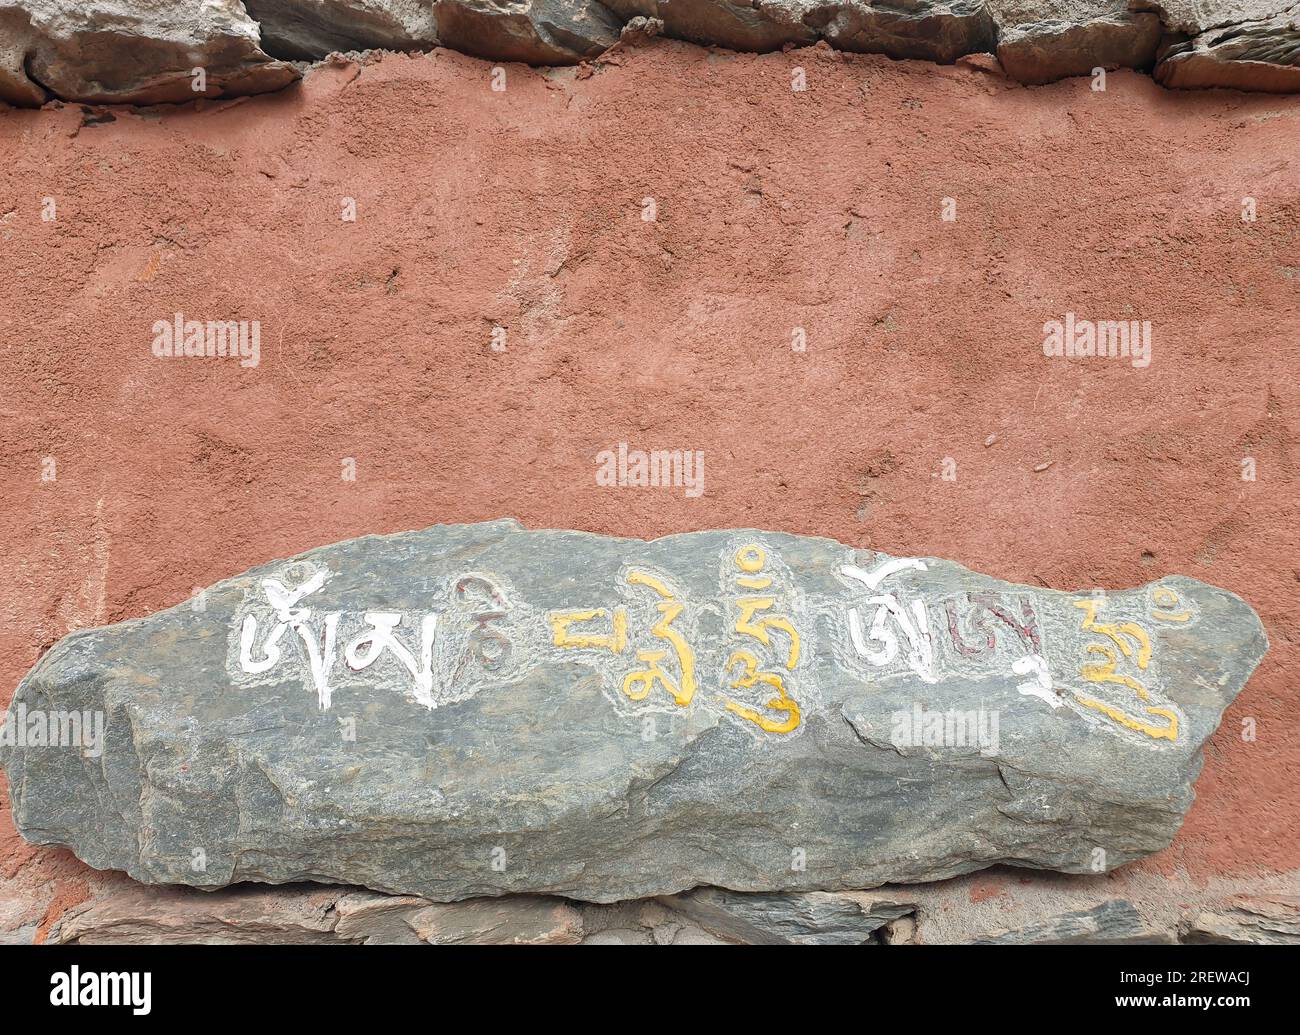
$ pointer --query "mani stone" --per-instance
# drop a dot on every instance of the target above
(475, 710)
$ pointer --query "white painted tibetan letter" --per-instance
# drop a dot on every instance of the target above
(381, 636)
(1040, 683)
(915, 627)
(320, 655)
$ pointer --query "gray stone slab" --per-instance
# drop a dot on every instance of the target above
(1261, 53)
(479, 709)
(1247, 920)
(805, 918)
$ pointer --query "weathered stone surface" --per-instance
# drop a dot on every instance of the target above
(1192, 16)
(1109, 923)
(619, 936)
(128, 914)
(642, 922)
(931, 30)
(370, 918)
(118, 911)
(16, 35)
(134, 51)
(238, 916)
(1259, 53)
(810, 918)
(20, 915)
(899, 932)
(934, 30)
(517, 920)
(298, 29)
(539, 32)
(142, 51)
(737, 26)
(1248, 920)
(1040, 42)
(497, 710)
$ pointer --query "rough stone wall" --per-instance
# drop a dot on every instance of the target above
(775, 209)
(147, 51)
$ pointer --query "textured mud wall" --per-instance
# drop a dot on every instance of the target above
(130, 480)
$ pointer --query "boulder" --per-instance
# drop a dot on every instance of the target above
(1040, 41)
(473, 710)
(132, 51)
(312, 29)
(537, 32)
(928, 30)
(1259, 49)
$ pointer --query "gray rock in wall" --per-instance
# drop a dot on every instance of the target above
(808, 918)
(174, 916)
(478, 709)
(370, 918)
(131, 51)
(930, 30)
(737, 26)
(516, 920)
(16, 36)
(312, 29)
(1260, 53)
(538, 32)
(250, 915)
(1247, 920)
(1040, 42)
(1194, 16)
